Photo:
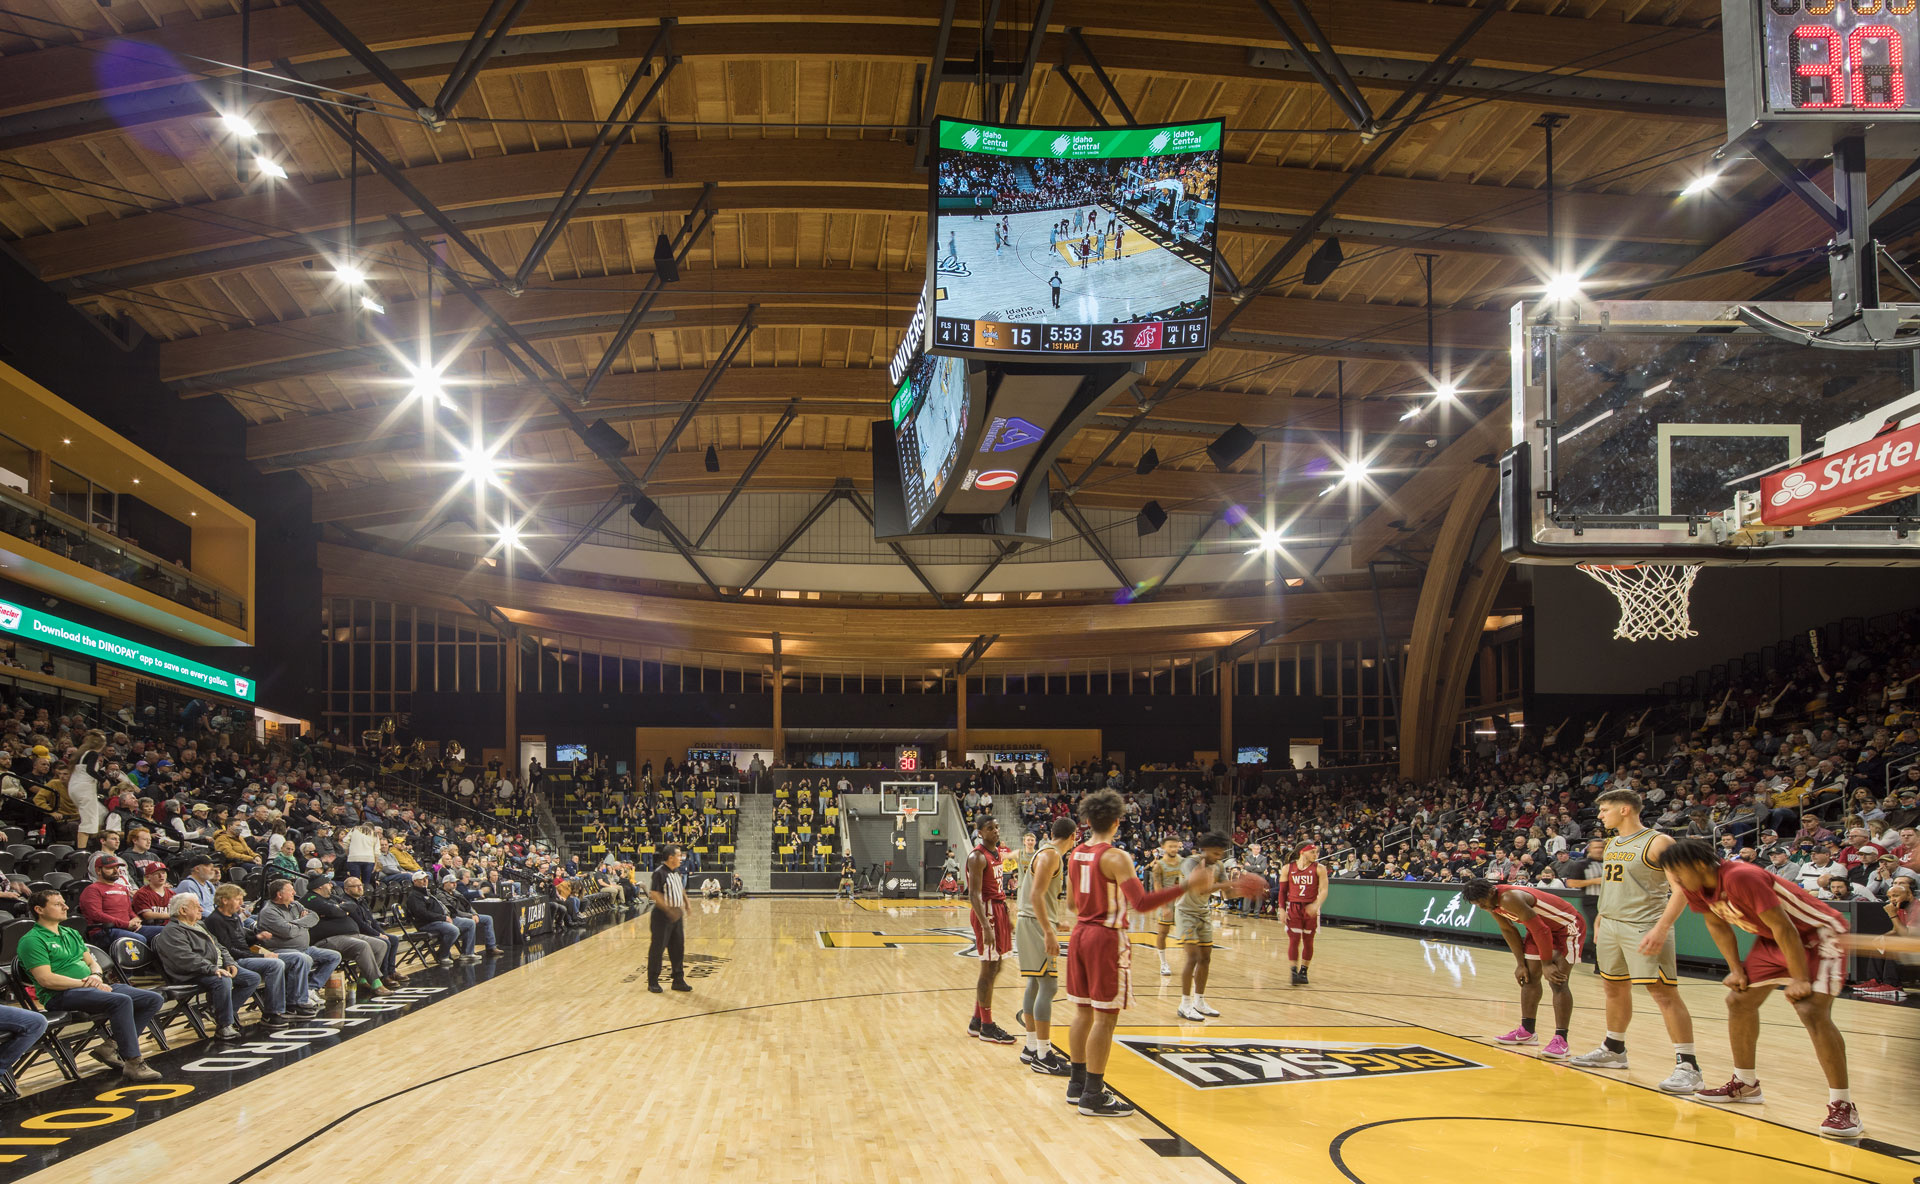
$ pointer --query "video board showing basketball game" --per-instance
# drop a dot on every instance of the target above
(930, 411)
(1070, 242)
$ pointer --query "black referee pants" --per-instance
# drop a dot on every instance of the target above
(669, 939)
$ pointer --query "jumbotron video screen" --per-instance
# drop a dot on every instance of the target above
(1073, 241)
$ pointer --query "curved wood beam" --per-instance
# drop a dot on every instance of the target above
(807, 296)
(299, 207)
(1466, 499)
(1484, 577)
(413, 580)
(1391, 28)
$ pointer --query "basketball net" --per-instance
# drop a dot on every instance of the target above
(1653, 598)
(909, 812)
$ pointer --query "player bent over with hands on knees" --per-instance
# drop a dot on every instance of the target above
(1796, 946)
(1547, 949)
(1103, 888)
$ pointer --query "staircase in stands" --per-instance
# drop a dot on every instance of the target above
(753, 856)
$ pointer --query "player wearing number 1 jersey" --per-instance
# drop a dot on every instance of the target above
(1796, 945)
(1103, 888)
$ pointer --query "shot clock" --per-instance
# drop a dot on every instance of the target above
(1802, 74)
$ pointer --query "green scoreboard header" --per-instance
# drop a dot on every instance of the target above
(1079, 143)
(51, 630)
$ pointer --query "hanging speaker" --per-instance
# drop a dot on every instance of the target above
(713, 459)
(1148, 462)
(1324, 262)
(606, 441)
(647, 513)
(1150, 518)
(664, 263)
(1233, 444)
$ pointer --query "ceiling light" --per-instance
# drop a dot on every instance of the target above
(1565, 286)
(507, 535)
(136, 480)
(426, 385)
(373, 306)
(269, 168)
(1267, 542)
(193, 513)
(1445, 390)
(1354, 471)
(1701, 184)
(66, 441)
(238, 124)
(480, 466)
(349, 275)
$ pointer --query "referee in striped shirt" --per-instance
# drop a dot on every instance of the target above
(669, 892)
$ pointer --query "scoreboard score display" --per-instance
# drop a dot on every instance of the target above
(1803, 73)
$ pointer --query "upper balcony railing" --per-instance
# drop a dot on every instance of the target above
(72, 539)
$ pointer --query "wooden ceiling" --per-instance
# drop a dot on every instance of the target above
(119, 184)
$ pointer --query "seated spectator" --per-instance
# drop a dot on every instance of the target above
(337, 930)
(231, 927)
(286, 925)
(428, 912)
(231, 845)
(193, 826)
(188, 953)
(68, 979)
(353, 901)
(201, 874)
(150, 903)
(474, 927)
(20, 1029)
(140, 852)
(106, 905)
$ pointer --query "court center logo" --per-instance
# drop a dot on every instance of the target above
(1455, 914)
(1228, 1064)
(970, 137)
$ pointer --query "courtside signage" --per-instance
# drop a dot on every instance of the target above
(1078, 144)
(1881, 470)
(1227, 1064)
(45, 627)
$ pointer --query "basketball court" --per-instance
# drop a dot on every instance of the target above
(1011, 284)
(795, 1060)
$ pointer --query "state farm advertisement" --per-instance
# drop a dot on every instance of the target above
(1881, 470)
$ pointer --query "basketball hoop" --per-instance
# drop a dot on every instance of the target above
(1653, 598)
(909, 812)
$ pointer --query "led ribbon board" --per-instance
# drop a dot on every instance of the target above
(51, 630)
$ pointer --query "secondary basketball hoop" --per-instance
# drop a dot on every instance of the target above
(1654, 598)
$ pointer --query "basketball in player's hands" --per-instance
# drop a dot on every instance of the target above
(1251, 886)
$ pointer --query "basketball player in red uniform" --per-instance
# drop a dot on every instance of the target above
(1305, 889)
(1102, 887)
(1796, 945)
(992, 928)
(1554, 934)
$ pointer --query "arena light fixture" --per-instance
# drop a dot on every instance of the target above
(373, 306)
(348, 274)
(1564, 286)
(507, 536)
(269, 167)
(1267, 542)
(1702, 184)
(480, 465)
(238, 124)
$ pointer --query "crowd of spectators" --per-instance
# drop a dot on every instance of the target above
(257, 873)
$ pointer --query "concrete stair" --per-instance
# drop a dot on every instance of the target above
(753, 854)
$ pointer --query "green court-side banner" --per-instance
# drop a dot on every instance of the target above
(51, 630)
(1443, 909)
(1079, 143)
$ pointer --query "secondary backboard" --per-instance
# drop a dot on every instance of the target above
(1640, 425)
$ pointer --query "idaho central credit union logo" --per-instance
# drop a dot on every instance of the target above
(9, 615)
(1225, 1064)
(1061, 143)
(996, 479)
(970, 137)
(1158, 143)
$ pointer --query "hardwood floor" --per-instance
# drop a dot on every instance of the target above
(797, 1059)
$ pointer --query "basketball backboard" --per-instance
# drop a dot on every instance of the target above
(1643, 431)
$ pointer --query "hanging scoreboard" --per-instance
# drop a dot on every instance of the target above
(1803, 73)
